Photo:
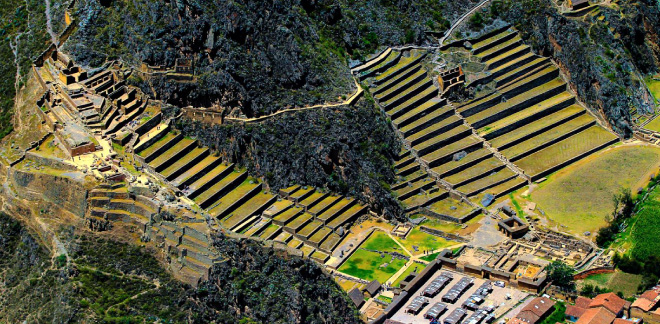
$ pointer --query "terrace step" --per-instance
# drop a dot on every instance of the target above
(537, 127)
(525, 84)
(540, 62)
(184, 164)
(507, 57)
(390, 60)
(409, 92)
(206, 198)
(271, 232)
(549, 137)
(438, 135)
(475, 172)
(423, 199)
(400, 86)
(472, 158)
(426, 95)
(446, 153)
(172, 155)
(506, 69)
(324, 205)
(420, 111)
(499, 49)
(312, 200)
(252, 206)
(529, 115)
(414, 188)
(195, 172)
(566, 151)
(152, 152)
(347, 216)
(287, 215)
(426, 121)
(330, 243)
(491, 180)
(336, 209)
(405, 66)
(235, 198)
(209, 179)
(517, 103)
(493, 41)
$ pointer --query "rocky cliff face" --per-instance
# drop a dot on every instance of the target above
(347, 150)
(604, 54)
(257, 56)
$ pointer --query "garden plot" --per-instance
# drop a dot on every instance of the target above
(365, 263)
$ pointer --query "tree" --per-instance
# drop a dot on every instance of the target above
(561, 274)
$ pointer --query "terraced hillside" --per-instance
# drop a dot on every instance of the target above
(527, 128)
(300, 217)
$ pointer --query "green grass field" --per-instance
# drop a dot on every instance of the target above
(369, 266)
(380, 241)
(618, 281)
(415, 267)
(580, 196)
(423, 241)
(654, 86)
(644, 233)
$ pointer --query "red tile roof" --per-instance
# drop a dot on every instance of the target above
(574, 311)
(622, 321)
(536, 309)
(598, 315)
(582, 302)
(612, 302)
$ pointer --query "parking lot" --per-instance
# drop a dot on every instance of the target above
(502, 299)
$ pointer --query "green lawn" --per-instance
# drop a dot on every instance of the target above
(415, 267)
(618, 281)
(370, 265)
(423, 241)
(580, 196)
(380, 241)
(644, 234)
(654, 86)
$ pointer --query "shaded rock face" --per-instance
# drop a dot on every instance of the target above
(346, 150)
(260, 56)
(604, 58)
(66, 192)
(256, 283)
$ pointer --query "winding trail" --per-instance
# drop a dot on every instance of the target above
(17, 113)
(460, 21)
(49, 25)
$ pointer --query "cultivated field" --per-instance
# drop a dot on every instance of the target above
(370, 265)
(580, 196)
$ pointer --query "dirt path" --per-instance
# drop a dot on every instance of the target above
(49, 25)
(460, 21)
(17, 113)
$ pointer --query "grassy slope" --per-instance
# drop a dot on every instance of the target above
(644, 234)
(580, 196)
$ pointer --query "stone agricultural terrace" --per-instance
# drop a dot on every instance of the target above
(458, 156)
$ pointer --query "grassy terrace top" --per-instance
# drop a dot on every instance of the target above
(155, 146)
(531, 111)
(300, 193)
(288, 214)
(516, 100)
(403, 62)
(224, 183)
(289, 190)
(280, 205)
(491, 39)
(547, 136)
(515, 85)
(475, 170)
(184, 160)
(231, 197)
(536, 125)
(390, 57)
(413, 186)
(341, 218)
(335, 208)
(487, 180)
(247, 209)
(421, 121)
(394, 86)
(498, 47)
(299, 221)
(324, 203)
(452, 148)
(472, 156)
(428, 90)
(311, 199)
(420, 199)
(460, 128)
(506, 54)
(196, 169)
(209, 176)
(167, 155)
(433, 103)
(451, 207)
(564, 150)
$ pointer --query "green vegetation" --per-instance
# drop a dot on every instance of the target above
(415, 267)
(430, 257)
(423, 241)
(619, 282)
(597, 177)
(654, 86)
(557, 316)
(370, 265)
(561, 274)
(380, 241)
